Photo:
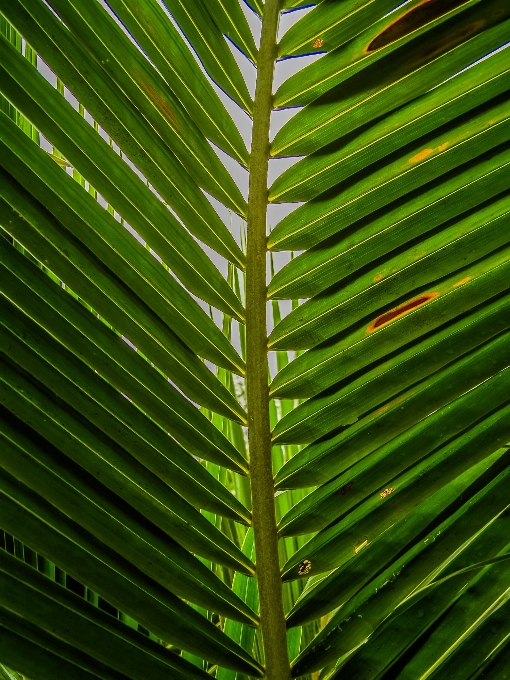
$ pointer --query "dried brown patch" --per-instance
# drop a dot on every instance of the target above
(422, 14)
(396, 313)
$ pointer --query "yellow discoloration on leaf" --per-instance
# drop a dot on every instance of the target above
(421, 155)
(318, 42)
(362, 543)
(159, 100)
(387, 492)
(462, 281)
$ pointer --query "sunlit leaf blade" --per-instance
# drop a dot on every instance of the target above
(411, 21)
(382, 87)
(108, 45)
(423, 210)
(319, 172)
(102, 234)
(112, 109)
(375, 337)
(152, 29)
(197, 24)
(332, 24)
(344, 405)
(80, 332)
(42, 468)
(465, 518)
(28, 222)
(27, 594)
(335, 545)
(476, 530)
(230, 19)
(114, 416)
(390, 179)
(246, 589)
(425, 264)
(108, 174)
(324, 459)
(50, 532)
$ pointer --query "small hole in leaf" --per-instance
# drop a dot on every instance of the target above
(304, 567)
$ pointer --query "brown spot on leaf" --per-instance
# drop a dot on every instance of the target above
(304, 567)
(415, 18)
(387, 492)
(377, 277)
(462, 281)
(345, 489)
(399, 311)
(159, 100)
(318, 42)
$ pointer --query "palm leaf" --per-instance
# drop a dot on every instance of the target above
(207, 472)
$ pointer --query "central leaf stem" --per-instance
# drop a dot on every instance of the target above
(263, 505)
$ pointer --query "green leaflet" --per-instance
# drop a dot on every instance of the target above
(230, 19)
(412, 167)
(101, 233)
(337, 544)
(77, 329)
(383, 86)
(467, 516)
(49, 531)
(346, 404)
(112, 414)
(40, 466)
(472, 621)
(412, 20)
(112, 109)
(28, 222)
(323, 460)
(197, 24)
(106, 43)
(322, 170)
(28, 594)
(331, 24)
(399, 634)
(149, 25)
(246, 589)
(425, 263)
(449, 546)
(116, 182)
(355, 348)
(459, 191)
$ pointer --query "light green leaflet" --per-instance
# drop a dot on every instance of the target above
(108, 174)
(147, 22)
(194, 20)
(105, 236)
(114, 111)
(383, 87)
(413, 272)
(322, 170)
(411, 167)
(411, 21)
